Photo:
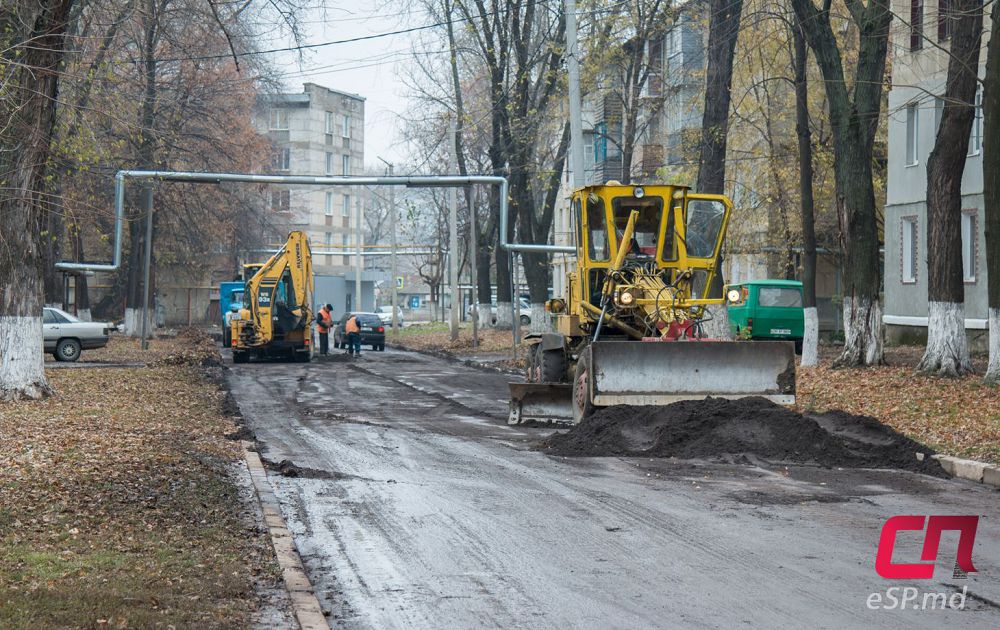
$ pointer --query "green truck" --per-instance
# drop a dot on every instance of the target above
(766, 309)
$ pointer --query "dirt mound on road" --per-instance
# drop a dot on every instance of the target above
(756, 427)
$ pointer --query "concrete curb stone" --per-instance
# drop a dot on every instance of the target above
(305, 605)
(980, 472)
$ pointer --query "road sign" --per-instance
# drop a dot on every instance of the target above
(399, 282)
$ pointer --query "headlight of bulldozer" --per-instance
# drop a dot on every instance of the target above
(555, 305)
(733, 295)
(625, 298)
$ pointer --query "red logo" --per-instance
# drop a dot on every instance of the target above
(932, 540)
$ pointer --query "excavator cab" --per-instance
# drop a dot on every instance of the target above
(629, 330)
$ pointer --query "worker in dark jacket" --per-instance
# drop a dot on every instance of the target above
(324, 322)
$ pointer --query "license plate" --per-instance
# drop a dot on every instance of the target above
(781, 331)
(367, 329)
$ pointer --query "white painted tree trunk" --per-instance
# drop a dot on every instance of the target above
(133, 322)
(83, 314)
(717, 326)
(810, 338)
(22, 364)
(862, 332)
(540, 321)
(505, 313)
(993, 370)
(947, 352)
(485, 315)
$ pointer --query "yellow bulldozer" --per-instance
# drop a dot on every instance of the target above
(277, 306)
(629, 329)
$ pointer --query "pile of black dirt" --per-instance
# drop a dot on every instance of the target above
(721, 428)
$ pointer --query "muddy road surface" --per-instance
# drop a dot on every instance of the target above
(414, 505)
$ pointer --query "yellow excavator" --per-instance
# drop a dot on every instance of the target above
(629, 329)
(277, 306)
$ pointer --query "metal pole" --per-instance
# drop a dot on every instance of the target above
(357, 249)
(147, 202)
(515, 302)
(575, 115)
(392, 250)
(474, 244)
(453, 241)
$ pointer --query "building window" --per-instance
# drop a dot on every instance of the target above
(283, 159)
(345, 128)
(345, 240)
(281, 200)
(329, 164)
(328, 239)
(909, 245)
(329, 204)
(912, 129)
(976, 137)
(944, 20)
(969, 246)
(328, 122)
(278, 119)
(916, 24)
(347, 206)
(345, 164)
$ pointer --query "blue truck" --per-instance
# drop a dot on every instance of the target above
(230, 295)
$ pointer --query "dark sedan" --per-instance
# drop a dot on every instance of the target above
(372, 331)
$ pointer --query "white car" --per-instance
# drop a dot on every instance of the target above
(385, 314)
(66, 336)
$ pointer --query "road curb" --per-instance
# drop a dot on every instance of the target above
(305, 605)
(969, 469)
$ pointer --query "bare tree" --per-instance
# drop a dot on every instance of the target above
(32, 42)
(800, 60)
(947, 352)
(854, 116)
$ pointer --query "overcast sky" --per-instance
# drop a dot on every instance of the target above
(368, 68)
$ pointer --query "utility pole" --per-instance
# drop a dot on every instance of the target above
(392, 252)
(453, 240)
(357, 249)
(474, 265)
(575, 108)
(147, 202)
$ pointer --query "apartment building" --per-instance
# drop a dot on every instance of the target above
(920, 68)
(320, 132)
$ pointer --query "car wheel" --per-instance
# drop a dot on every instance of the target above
(525, 320)
(68, 350)
(381, 347)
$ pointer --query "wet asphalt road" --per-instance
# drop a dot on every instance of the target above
(421, 508)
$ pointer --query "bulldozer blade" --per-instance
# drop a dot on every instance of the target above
(549, 403)
(660, 373)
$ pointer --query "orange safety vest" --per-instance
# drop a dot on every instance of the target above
(352, 325)
(324, 321)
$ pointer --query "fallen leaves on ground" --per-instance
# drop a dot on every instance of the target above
(117, 504)
(959, 417)
(438, 337)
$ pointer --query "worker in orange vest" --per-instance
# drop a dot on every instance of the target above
(353, 335)
(324, 322)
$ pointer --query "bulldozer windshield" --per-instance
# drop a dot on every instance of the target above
(647, 227)
(704, 226)
(597, 230)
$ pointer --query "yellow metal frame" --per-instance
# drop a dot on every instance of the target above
(675, 206)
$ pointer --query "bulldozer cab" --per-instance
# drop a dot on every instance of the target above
(677, 234)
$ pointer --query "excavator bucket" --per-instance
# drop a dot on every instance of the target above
(660, 373)
(541, 403)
